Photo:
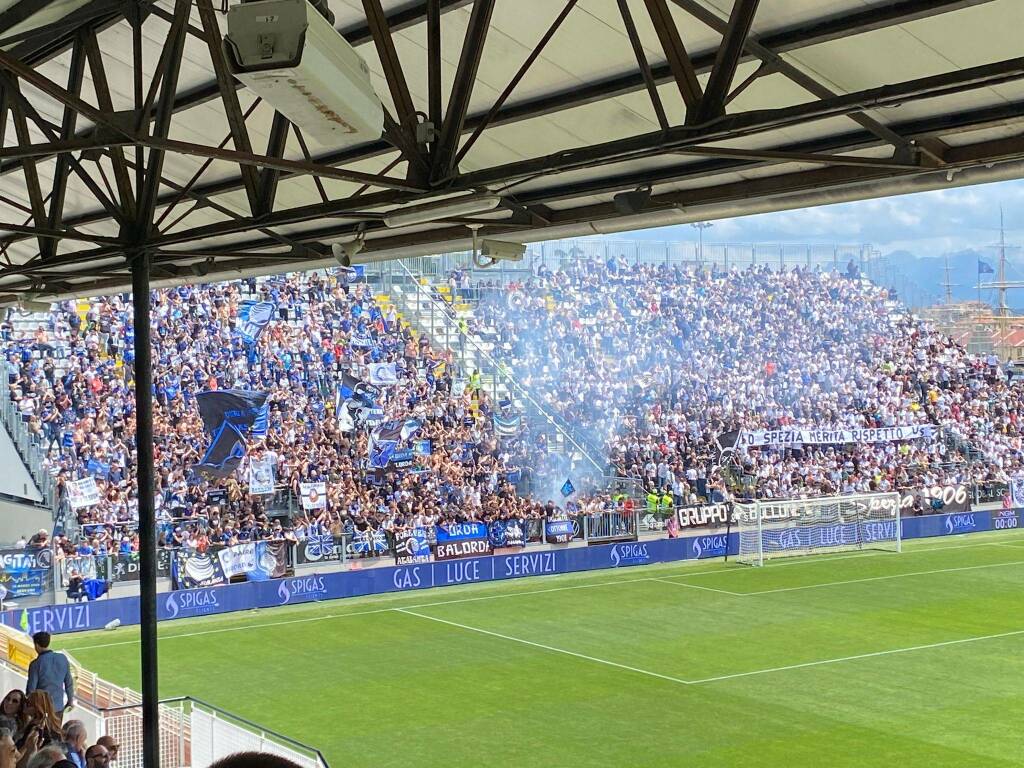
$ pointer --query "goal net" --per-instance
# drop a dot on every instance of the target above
(773, 529)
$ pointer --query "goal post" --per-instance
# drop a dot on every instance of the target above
(772, 529)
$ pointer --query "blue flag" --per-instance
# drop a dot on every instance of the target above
(568, 489)
(253, 317)
(984, 269)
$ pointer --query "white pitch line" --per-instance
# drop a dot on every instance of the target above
(696, 586)
(858, 656)
(550, 648)
(796, 561)
(883, 578)
(356, 613)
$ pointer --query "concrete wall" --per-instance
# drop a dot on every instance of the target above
(15, 479)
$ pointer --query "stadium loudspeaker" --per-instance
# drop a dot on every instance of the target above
(627, 203)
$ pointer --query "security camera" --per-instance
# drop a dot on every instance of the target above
(502, 250)
(344, 252)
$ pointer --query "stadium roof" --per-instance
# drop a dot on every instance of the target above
(124, 134)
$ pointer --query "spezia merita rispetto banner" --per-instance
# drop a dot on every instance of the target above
(796, 436)
(314, 495)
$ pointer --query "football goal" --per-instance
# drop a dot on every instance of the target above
(771, 529)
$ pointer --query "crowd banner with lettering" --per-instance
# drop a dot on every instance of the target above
(559, 531)
(25, 572)
(83, 493)
(257, 561)
(794, 437)
(261, 477)
(460, 532)
(704, 515)
(411, 547)
(314, 495)
(507, 533)
(78, 617)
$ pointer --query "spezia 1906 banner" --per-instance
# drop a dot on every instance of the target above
(261, 477)
(794, 437)
(314, 495)
(83, 493)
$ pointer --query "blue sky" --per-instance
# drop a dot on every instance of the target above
(927, 224)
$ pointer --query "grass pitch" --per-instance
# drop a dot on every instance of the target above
(866, 659)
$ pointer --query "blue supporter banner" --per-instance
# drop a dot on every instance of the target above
(553, 528)
(461, 532)
(78, 617)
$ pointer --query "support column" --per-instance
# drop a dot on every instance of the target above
(147, 512)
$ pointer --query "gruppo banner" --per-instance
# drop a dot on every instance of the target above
(794, 437)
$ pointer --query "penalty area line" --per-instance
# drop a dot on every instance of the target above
(822, 662)
(543, 647)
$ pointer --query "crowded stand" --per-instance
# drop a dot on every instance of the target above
(71, 381)
(655, 364)
(649, 365)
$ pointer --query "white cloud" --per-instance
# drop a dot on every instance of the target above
(928, 223)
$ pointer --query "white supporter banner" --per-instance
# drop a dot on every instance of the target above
(261, 477)
(314, 495)
(1017, 490)
(83, 493)
(238, 560)
(792, 437)
(383, 374)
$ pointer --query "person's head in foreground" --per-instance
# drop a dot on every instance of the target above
(110, 744)
(74, 736)
(97, 756)
(254, 760)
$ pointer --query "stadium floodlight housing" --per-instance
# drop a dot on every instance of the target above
(424, 213)
(288, 54)
(502, 250)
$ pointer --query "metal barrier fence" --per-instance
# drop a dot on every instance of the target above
(611, 526)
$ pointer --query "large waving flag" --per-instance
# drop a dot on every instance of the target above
(244, 409)
(253, 317)
(225, 452)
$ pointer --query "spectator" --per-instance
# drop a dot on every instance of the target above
(73, 738)
(50, 672)
(42, 722)
(12, 712)
(48, 757)
(97, 756)
(110, 744)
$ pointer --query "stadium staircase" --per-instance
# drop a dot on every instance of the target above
(31, 448)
